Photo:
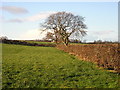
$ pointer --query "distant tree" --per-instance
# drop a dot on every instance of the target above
(75, 41)
(98, 41)
(63, 25)
(84, 41)
(3, 38)
(49, 36)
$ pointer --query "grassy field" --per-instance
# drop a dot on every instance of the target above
(38, 42)
(48, 67)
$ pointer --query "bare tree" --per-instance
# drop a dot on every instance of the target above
(63, 25)
(49, 36)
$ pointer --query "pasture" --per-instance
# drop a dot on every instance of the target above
(39, 42)
(48, 67)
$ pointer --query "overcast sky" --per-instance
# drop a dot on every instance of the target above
(21, 20)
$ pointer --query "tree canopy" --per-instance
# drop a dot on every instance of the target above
(64, 24)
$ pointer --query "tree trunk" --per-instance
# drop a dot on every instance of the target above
(65, 41)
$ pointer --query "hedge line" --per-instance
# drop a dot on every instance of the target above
(104, 55)
(17, 42)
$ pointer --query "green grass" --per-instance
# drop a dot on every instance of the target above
(47, 67)
(38, 42)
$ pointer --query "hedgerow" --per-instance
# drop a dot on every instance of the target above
(104, 55)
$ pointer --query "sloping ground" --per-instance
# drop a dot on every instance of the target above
(40, 67)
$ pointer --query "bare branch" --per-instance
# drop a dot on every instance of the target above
(64, 24)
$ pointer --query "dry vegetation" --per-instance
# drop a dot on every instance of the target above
(104, 55)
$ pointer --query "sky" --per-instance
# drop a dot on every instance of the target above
(21, 20)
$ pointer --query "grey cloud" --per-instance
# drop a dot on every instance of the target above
(103, 32)
(2, 19)
(33, 18)
(102, 35)
(14, 9)
(15, 20)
